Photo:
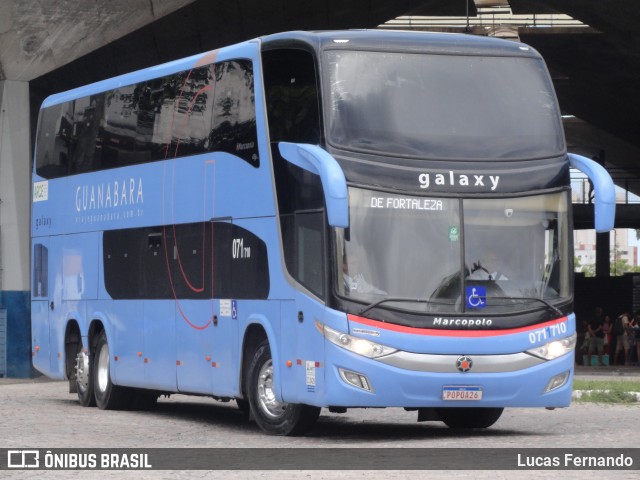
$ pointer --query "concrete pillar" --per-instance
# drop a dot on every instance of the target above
(603, 253)
(15, 201)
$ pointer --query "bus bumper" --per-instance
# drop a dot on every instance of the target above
(380, 385)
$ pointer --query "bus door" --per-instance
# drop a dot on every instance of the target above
(40, 304)
(58, 284)
(74, 277)
(47, 321)
(224, 330)
(205, 325)
(247, 283)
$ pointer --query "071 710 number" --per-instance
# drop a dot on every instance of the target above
(548, 332)
(238, 250)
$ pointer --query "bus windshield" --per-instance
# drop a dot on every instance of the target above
(442, 106)
(446, 255)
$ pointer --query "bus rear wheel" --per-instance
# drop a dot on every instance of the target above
(272, 416)
(84, 378)
(108, 396)
(469, 417)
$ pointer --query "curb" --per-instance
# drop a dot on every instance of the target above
(577, 394)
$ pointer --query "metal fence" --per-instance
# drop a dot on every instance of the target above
(582, 190)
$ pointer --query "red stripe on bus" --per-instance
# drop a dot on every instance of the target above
(448, 332)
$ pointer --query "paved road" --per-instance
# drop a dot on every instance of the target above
(41, 414)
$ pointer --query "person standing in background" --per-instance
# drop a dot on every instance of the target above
(596, 335)
(607, 329)
(622, 340)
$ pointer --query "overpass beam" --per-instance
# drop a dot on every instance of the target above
(15, 244)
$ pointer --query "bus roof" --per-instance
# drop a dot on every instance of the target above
(423, 42)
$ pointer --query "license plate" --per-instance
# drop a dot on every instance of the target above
(461, 392)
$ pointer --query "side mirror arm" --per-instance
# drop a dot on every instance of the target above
(604, 191)
(316, 160)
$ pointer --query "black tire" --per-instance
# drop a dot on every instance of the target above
(83, 378)
(108, 396)
(273, 417)
(469, 417)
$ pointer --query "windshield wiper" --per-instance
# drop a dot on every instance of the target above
(553, 308)
(395, 299)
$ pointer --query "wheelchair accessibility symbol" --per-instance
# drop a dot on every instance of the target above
(476, 297)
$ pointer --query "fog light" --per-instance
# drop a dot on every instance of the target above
(356, 379)
(557, 382)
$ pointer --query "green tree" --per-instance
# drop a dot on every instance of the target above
(618, 265)
(589, 270)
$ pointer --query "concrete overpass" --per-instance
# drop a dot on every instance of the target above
(51, 46)
(60, 44)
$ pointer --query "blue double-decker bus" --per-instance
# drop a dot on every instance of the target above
(312, 220)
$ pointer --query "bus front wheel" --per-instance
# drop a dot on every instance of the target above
(108, 396)
(469, 417)
(272, 416)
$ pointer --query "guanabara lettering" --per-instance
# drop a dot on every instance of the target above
(118, 193)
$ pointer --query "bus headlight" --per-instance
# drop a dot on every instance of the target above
(556, 348)
(356, 345)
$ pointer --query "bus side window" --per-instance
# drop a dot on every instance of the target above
(88, 116)
(40, 271)
(303, 246)
(209, 108)
(302, 219)
(293, 113)
(291, 93)
(233, 128)
(309, 237)
(54, 140)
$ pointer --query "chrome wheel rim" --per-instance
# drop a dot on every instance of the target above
(266, 393)
(82, 371)
(103, 368)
